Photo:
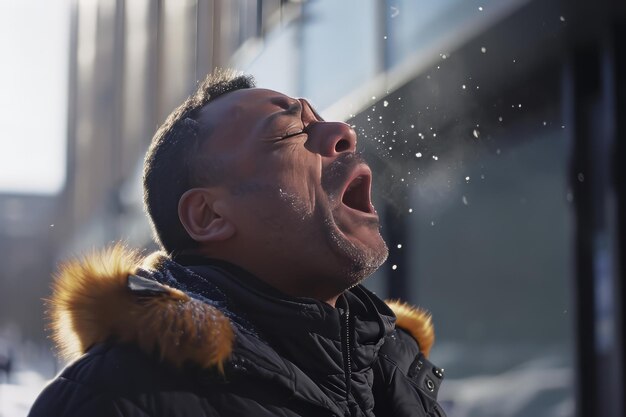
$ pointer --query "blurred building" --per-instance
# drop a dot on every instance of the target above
(493, 130)
(27, 253)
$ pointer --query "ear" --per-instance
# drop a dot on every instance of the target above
(199, 211)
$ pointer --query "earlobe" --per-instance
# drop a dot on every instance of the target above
(199, 213)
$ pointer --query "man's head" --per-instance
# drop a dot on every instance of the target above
(172, 164)
(274, 189)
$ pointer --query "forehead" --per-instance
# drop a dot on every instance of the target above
(244, 105)
(244, 116)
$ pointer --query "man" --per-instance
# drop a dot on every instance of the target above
(254, 307)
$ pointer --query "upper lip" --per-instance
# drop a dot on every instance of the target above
(359, 183)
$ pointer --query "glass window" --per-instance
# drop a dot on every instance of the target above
(492, 261)
(414, 26)
(339, 50)
(476, 161)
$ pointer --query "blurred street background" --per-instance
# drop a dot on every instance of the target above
(496, 130)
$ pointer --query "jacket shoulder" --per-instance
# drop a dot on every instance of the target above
(118, 380)
(66, 398)
(122, 369)
(86, 388)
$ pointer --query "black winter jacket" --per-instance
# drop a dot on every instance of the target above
(208, 339)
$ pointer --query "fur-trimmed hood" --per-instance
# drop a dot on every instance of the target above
(100, 297)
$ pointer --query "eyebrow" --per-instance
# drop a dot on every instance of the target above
(292, 110)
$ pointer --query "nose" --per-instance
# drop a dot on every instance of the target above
(331, 138)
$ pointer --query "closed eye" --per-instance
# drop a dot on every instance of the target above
(291, 135)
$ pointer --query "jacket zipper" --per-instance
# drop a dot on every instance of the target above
(347, 356)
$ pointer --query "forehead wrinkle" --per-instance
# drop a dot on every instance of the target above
(285, 102)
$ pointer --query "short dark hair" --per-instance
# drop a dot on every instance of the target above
(172, 167)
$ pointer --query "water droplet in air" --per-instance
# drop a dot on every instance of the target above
(418, 155)
(463, 87)
(498, 151)
(435, 157)
(562, 18)
(385, 103)
(385, 37)
(581, 177)
(399, 246)
(394, 267)
(483, 50)
(52, 225)
(412, 126)
(444, 56)
(464, 199)
(562, 126)
(500, 118)
(410, 210)
(519, 105)
(373, 97)
(480, 8)
(467, 178)
(545, 123)
(476, 133)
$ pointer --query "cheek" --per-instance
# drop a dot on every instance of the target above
(302, 178)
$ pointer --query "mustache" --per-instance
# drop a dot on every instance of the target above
(336, 174)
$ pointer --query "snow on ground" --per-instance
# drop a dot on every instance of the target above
(537, 388)
(18, 395)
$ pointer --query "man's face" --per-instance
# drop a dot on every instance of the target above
(297, 193)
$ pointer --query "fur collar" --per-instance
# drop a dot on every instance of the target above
(92, 303)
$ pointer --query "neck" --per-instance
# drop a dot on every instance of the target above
(283, 282)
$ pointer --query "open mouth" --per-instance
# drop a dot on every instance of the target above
(357, 194)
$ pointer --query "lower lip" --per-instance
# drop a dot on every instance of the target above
(372, 214)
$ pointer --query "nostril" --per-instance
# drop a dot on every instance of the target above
(342, 145)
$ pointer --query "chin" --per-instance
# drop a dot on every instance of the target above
(361, 260)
